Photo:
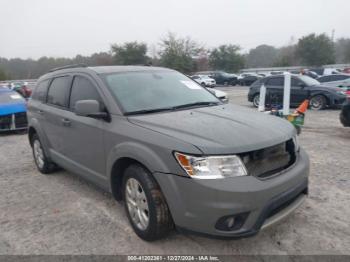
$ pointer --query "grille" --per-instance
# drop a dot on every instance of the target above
(267, 162)
(5, 122)
(8, 122)
(21, 120)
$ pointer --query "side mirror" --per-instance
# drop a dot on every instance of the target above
(90, 108)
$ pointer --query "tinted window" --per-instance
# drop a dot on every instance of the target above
(41, 91)
(276, 81)
(83, 89)
(58, 91)
(324, 79)
(339, 77)
(296, 82)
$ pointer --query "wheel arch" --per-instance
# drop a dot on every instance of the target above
(125, 155)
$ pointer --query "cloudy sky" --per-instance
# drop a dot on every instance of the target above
(35, 28)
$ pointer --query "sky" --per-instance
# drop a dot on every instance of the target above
(65, 28)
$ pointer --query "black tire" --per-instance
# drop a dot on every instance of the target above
(160, 222)
(203, 84)
(318, 102)
(47, 166)
(256, 99)
(344, 120)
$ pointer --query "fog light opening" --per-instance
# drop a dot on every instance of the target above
(231, 222)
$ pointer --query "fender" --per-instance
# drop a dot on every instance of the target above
(34, 123)
(140, 153)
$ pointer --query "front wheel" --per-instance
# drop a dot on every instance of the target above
(145, 205)
(318, 102)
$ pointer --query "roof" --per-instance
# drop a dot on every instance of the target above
(115, 69)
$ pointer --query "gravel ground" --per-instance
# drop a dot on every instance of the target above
(62, 214)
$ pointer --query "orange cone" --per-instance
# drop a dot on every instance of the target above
(303, 107)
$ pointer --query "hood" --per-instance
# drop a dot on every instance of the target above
(12, 108)
(224, 129)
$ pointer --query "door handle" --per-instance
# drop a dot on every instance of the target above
(66, 122)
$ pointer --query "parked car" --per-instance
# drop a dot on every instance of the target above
(246, 79)
(345, 114)
(221, 78)
(204, 80)
(220, 94)
(302, 87)
(346, 70)
(12, 111)
(337, 80)
(176, 155)
(325, 71)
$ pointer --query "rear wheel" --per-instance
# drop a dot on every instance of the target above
(256, 100)
(44, 165)
(318, 102)
(145, 204)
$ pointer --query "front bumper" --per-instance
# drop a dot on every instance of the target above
(198, 205)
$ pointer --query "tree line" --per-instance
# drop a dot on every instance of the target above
(186, 55)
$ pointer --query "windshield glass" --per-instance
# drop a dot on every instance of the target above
(150, 90)
(309, 81)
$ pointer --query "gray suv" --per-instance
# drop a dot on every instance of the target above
(174, 153)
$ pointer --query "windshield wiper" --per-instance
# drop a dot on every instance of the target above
(148, 111)
(156, 110)
(196, 104)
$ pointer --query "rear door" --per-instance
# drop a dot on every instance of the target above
(54, 112)
(274, 87)
(84, 135)
(298, 92)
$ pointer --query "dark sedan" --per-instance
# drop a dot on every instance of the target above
(303, 87)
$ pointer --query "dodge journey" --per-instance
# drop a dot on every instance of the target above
(172, 152)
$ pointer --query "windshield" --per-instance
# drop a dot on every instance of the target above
(309, 81)
(152, 90)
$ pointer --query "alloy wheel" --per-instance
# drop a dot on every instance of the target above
(137, 204)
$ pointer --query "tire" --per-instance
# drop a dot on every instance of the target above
(318, 102)
(145, 205)
(203, 84)
(344, 120)
(256, 99)
(44, 165)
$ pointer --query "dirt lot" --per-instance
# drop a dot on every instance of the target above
(62, 214)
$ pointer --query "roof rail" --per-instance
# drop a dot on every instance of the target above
(67, 67)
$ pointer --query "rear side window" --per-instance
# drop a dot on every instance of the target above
(276, 81)
(41, 91)
(83, 89)
(324, 79)
(59, 91)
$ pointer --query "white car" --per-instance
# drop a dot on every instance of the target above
(336, 80)
(204, 80)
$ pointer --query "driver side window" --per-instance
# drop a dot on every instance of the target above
(83, 89)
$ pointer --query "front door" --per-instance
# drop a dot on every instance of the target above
(84, 135)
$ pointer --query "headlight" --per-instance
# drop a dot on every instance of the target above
(211, 167)
(296, 143)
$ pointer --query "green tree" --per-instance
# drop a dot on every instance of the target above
(3, 76)
(316, 50)
(262, 56)
(226, 57)
(179, 53)
(342, 50)
(130, 53)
